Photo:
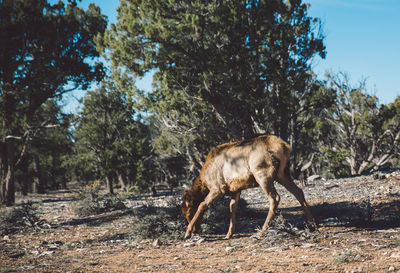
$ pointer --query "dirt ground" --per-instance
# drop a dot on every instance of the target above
(359, 231)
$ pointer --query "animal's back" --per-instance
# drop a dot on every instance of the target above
(266, 143)
(230, 165)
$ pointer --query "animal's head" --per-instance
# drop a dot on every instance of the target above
(188, 209)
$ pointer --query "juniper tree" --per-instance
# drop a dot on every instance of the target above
(46, 50)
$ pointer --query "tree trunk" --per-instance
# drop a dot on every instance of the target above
(26, 180)
(53, 174)
(38, 181)
(352, 160)
(64, 183)
(7, 188)
(109, 184)
(122, 181)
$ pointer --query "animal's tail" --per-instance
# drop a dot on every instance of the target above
(281, 150)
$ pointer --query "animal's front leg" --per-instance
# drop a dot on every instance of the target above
(210, 198)
(233, 208)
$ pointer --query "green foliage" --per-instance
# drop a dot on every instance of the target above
(309, 128)
(369, 131)
(110, 139)
(47, 148)
(222, 70)
(336, 161)
(47, 47)
(49, 51)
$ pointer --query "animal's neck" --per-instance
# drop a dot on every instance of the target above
(199, 191)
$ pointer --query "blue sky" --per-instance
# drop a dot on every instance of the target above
(362, 39)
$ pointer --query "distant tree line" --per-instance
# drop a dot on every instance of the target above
(223, 71)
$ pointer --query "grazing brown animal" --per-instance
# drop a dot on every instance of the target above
(233, 167)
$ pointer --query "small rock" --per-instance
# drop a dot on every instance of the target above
(199, 241)
(156, 243)
(379, 176)
(395, 255)
(47, 252)
(6, 238)
(229, 249)
(307, 245)
(188, 244)
(277, 248)
(391, 269)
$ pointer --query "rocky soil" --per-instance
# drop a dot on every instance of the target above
(359, 231)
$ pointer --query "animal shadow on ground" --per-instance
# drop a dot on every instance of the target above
(362, 215)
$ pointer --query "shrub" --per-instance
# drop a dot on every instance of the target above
(19, 218)
(90, 201)
(154, 222)
(216, 218)
(336, 158)
(169, 224)
(283, 233)
(347, 257)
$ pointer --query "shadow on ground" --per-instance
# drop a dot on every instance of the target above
(361, 215)
(98, 220)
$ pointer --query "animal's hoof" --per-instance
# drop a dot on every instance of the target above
(228, 236)
(187, 236)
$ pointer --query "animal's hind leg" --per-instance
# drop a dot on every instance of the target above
(285, 180)
(233, 208)
(210, 198)
(265, 178)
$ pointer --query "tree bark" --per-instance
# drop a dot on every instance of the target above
(122, 181)
(109, 184)
(7, 189)
(25, 181)
(7, 150)
(39, 183)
